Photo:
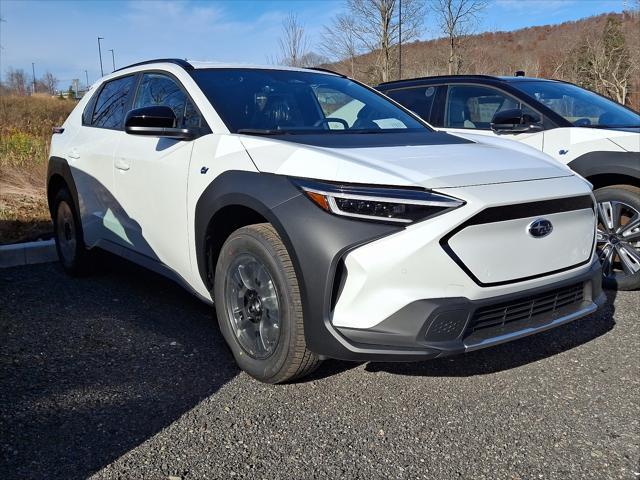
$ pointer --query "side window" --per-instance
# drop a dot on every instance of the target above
(159, 89)
(112, 102)
(418, 99)
(472, 106)
(87, 114)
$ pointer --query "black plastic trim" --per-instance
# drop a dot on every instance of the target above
(315, 240)
(512, 212)
(406, 331)
(176, 61)
(607, 163)
(58, 166)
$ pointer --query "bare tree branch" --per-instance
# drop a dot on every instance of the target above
(457, 19)
(293, 43)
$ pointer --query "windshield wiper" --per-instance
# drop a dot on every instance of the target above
(261, 131)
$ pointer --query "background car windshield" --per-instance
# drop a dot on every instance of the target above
(579, 106)
(299, 102)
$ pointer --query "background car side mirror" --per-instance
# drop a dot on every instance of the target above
(515, 121)
(155, 121)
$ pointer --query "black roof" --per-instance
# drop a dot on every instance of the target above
(445, 78)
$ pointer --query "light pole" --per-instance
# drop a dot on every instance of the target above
(399, 39)
(33, 70)
(100, 54)
(113, 59)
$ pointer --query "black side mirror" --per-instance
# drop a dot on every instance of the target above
(515, 121)
(155, 121)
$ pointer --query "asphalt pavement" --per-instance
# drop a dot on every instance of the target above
(123, 375)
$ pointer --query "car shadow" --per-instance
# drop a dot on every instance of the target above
(90, 368)
(513, 354)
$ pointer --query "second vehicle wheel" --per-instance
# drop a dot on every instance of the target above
(619, 236)
(259, 308)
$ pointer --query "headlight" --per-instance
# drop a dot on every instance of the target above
(387, 204)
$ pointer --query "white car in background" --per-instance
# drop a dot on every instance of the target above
(317, 235)
(596, 137)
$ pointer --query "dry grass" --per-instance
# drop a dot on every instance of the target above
(25, 133)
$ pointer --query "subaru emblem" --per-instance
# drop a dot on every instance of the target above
(540, 228)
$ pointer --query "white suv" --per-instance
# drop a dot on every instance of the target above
(318, 232)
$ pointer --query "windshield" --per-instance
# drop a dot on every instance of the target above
(579, 106)
(262, 101)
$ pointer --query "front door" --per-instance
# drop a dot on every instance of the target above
(150, 175)
(470, 109)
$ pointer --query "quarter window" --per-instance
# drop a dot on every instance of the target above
(471, 106)
(113, 100)
(158, 89)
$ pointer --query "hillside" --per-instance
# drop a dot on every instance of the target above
(541, 51)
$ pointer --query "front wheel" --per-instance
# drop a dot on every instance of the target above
(618, 236)
(259, 308)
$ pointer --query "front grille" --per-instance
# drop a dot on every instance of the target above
(547, 303)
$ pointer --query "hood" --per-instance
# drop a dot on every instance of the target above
(435, 160)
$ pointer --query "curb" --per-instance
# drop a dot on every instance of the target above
(28, 253)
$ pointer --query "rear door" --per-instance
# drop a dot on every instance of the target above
(150, 176)
(90, 157)
(471, 107)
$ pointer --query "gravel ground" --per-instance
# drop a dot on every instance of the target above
(125, 375)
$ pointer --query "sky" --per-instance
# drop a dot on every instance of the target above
(61, 36)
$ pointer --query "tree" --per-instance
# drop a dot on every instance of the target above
(50, 82)
(16, 81)
(603, 62)
(293, 43)
(457, 19)
(339, 40)
(376, 28)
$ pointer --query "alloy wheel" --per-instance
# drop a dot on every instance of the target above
(252, 306)
(66, 232)
(618, 239)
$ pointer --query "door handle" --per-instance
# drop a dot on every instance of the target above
(122, 164)
(74, 154)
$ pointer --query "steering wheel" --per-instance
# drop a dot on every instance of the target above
(329, 120)
(582, 122)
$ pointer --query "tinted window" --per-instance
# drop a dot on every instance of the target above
(87, 113)
(158, 89)
(296, 102)
(579, 106)
(112, 103)
(470, 106)
(417, 99)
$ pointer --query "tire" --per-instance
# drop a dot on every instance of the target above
(73, 255)
(619, 246)
(255, 278)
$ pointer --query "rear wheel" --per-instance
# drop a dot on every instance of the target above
(618, 237)
(68, 235)
(259, 307)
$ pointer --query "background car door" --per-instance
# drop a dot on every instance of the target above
(150, 175)
(472, 107)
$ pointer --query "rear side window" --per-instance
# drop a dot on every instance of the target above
(112, 103)
(157, 89)
(417, 99)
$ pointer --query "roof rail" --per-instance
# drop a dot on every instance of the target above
(176, 61)
(326, 70)
(439, 77)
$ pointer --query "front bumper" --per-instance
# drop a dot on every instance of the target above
(440, 327)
